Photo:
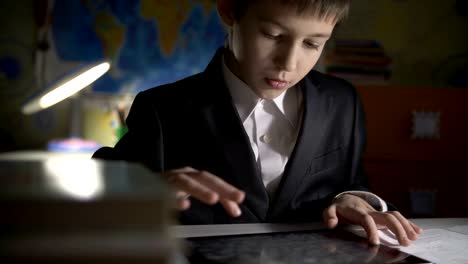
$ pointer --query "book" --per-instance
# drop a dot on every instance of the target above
(67, 208)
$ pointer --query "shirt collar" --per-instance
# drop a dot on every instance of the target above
(246, 100)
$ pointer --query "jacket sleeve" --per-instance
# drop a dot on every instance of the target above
(143, 142)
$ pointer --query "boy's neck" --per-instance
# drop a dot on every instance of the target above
(230, 61)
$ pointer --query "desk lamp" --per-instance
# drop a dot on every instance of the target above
(62, 89)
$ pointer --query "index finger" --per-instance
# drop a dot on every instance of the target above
(224, 189)
(394, 225)
(371, 229)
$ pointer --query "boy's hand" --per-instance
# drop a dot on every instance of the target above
(205, 187)
(352, 209)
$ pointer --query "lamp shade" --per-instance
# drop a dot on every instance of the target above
(66, 87)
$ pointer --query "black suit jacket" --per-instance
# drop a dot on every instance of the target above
(193, 122)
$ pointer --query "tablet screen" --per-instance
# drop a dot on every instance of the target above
(322, 246)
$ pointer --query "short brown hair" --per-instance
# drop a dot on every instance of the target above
(323, 9)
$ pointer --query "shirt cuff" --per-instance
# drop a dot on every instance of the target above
(374, 200)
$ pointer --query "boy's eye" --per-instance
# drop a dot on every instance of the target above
(312, 45)
(270, 35)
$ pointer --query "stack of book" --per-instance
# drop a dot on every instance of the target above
(75, 210)
(358, 61)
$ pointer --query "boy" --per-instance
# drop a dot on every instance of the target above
(259, 136)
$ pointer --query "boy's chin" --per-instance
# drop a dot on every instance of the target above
(270, 94)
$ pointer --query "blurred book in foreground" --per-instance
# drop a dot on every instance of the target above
(67, 209)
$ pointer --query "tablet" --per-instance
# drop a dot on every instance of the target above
(320, 246)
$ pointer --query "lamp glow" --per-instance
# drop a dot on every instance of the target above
(78, 178)
(67, 88)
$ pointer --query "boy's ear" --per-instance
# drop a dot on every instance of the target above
(225, 8)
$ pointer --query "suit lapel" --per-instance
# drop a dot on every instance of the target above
(308, 141)
(226, 128)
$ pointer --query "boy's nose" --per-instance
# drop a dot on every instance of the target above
(287, 57)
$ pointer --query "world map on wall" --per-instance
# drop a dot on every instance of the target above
(149, 42)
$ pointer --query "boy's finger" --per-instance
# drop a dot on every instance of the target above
(172, 175)
(224, 189)
(329, 216)
(183, 170)
(231, 207)
(185, 182)
(368, 223)
(394, 225)
(416, 228)
(182, 201)
(410, 232)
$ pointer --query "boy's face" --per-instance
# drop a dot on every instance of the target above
(273, 47)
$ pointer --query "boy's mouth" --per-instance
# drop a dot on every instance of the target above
(276, 83)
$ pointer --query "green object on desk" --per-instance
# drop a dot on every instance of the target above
(120, 131)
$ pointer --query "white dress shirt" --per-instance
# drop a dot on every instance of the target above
(272, 127)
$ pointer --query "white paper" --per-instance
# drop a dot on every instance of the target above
(440, 246)
(462, 229)
(446, 246)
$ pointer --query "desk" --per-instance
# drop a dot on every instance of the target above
(188, 231)
(288, 243)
